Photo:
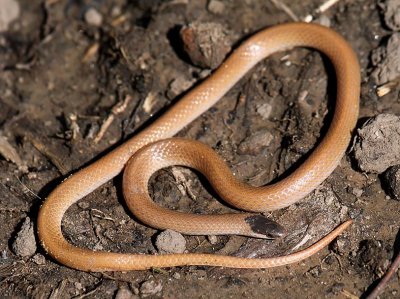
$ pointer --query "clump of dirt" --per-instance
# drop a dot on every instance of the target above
(378, 143)
(24, 244)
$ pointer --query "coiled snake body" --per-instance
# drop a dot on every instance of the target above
(161, 153)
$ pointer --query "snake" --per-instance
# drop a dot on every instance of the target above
(154, 148)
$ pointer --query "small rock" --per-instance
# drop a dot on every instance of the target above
(216, 7)
(212, 239)
(377, 145)
(324, 21)
(357, 192)
(9, 12)
(125, 293)
(340, 245)
(39, 259)
(150, 288)
(135, 290)
(256, 143)
(93, 17)
(392, 179)
(170, 241)
(24, 244)
(392, 14)
(176, 275)
(79, 286)
(116, 11)
(206, 44)
(386, 60)
(264, 110)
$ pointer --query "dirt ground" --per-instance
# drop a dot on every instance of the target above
(64, 70)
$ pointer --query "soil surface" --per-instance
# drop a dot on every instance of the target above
(69, 66)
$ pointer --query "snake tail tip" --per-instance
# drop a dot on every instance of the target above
(264, 227)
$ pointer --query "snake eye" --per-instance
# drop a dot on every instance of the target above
(264, 226)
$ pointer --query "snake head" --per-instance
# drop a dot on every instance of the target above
(262, 227)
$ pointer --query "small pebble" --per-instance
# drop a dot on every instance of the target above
(212, 239)
(78, 286)
(150, 288)
(93, 17)
(125, 293)
(377, 146)
(324, 21)
(216, 7)
(340, 245)
(206, 44)
(357, 192)
(135, 290)
(176, 275)
(264, 110)
(115, 11)
(39, 259)
(24, 244)
(170, 241)
(9, 11)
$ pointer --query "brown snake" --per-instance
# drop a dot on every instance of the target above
(319, 165)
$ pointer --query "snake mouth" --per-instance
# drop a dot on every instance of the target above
(264, 228)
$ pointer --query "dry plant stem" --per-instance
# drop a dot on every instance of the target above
(386, 88)
(280, 5)
(117, 109)
(386, 278)
(320, 10)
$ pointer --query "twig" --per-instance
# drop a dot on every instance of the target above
(117, 109)
(57, 292)
(86, 294)
(303, 241)
(384, 89)
(320, 10)
(386, 278)
(73, 125)
(91, 52)
(101, 216)
(184, 184)
(119, 20)
(29, 190)
(349, 295)
(280, 5)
